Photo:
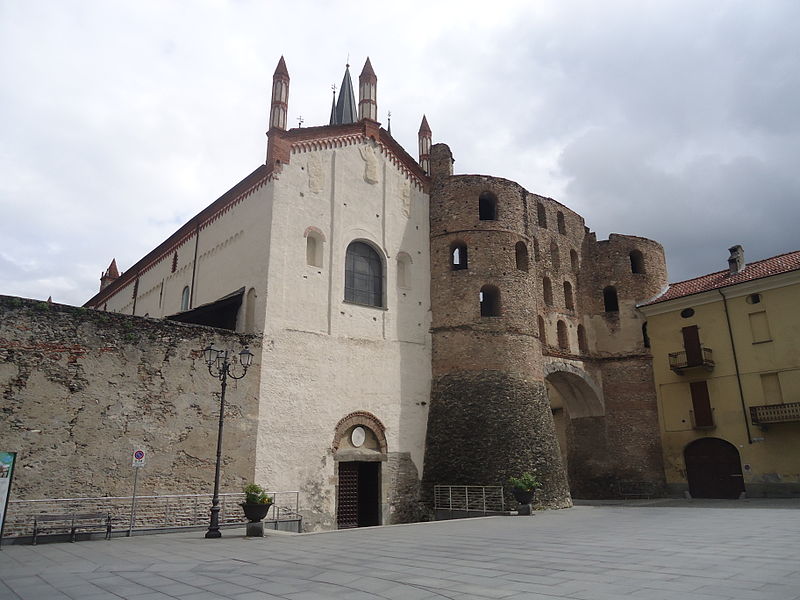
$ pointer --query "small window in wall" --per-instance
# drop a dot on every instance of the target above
(701, 405)
(542, 332)
(403, 270)
(637, 261)
(547, 291)
(363, 275)
(521, 256)
(753, 299)
(563, 338)
(487, 206)
(573, 260)
(174, 262)
(569, 302)
(645, 337)
(458, 256)
(759, 327)
(541, 215)
(583, 345)
(555, 255)
(536, 254)
(610, 301)
(185, 298)
(490, 301)
(314, 244)
(562, 228)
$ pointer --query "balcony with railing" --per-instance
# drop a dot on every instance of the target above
(684, 361)
(775, 413)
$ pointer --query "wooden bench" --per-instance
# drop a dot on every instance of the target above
(85, 522)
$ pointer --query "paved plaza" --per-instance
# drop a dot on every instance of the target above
(673, 550)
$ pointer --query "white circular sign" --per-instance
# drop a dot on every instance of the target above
(358, 436)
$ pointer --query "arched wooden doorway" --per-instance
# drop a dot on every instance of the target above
(713, 469)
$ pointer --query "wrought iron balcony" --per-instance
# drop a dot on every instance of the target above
(680, 362)
(775, 413)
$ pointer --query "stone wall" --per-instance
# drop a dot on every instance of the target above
(82, 388)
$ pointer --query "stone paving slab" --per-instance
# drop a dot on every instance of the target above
(642, 550)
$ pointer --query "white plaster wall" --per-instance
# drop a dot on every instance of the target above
(324, 358)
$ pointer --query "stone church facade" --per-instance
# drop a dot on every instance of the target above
(418, 327)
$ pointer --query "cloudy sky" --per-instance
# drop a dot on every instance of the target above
(675, 120)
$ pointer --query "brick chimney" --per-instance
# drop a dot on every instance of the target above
(736, 259)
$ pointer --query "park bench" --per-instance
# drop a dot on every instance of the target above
(77, 522)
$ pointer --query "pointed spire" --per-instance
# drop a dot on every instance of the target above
(280, 97)
(389, 122)
(333, 106)
(111, 274)
(368, 93)
(425, 146)
(346, 105)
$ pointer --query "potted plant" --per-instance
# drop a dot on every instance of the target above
(256, 502)
(524, 487)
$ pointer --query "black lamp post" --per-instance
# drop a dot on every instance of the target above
(222, 367)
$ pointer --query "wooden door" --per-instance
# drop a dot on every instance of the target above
(347, 498)
(713, 469)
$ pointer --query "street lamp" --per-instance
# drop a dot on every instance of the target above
(222, 367)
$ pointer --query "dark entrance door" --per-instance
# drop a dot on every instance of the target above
(713, 469)
(358, 498)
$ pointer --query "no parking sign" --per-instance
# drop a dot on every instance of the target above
(138, 458)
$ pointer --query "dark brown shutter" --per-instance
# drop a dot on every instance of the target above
(703, 417)
(691, 344)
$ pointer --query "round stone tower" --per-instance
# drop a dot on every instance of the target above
(490, 417)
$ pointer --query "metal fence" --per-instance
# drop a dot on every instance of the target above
(171, 511)
(467, 500)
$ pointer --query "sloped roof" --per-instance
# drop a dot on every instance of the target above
(775, 265)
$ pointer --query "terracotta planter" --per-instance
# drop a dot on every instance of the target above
(255, 512)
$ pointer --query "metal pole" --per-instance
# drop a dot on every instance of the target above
(133, 499)
(213, 528)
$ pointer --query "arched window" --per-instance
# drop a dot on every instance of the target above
(363, 275)
(645, 337)
(573, 259)
(562, 228)
(487, 207)
(185, 298)
(547, 291)
(536, 254)
(583, 345)
(458, 256)
(569, 303)
(314, 243)
(563, 338)
(610, 301)
(521, 255)
(637, 261)
(541, 215)
(555, 255)
(403, 270)
(490, 301)
(542, 332)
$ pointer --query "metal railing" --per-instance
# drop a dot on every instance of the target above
(775, 413)
(170, 511)
(469, 498)
(678, 361)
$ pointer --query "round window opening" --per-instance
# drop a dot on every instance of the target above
(687, 312)
(358, 436)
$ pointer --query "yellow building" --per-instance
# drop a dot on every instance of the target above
(726, 361)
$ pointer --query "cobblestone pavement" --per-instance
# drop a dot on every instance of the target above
(704, 550)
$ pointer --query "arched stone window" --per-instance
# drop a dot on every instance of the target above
(521, 256)
(610, 301)
(185, 298)
(562, 228)
(541, 215)
(555, 255)
(542, 332)
(363, 275)
(563, 338)
(536, 254)
(573, 259)
(569, 302)
(583, 345)
(547, 291)
(458, 256)
(490, 301)
(637, 261)
(487, 207)
(403, 270)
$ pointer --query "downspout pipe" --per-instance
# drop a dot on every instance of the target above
(736, 366)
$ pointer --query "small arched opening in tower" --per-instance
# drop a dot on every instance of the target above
(542, 332)
(610, 301)
(573, 259)
(645, 337)
(487, 207)
(555, 255)
(563, 338)
(569, 303)
(458, 256)
(547, 291)
(583, 345)
(541, 215)
(490, 301)
(637, 262)
(562, 228)
(521, 256)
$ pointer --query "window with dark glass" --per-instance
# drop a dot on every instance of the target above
(363, 275)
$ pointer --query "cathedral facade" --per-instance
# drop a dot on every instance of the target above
(419, 327)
